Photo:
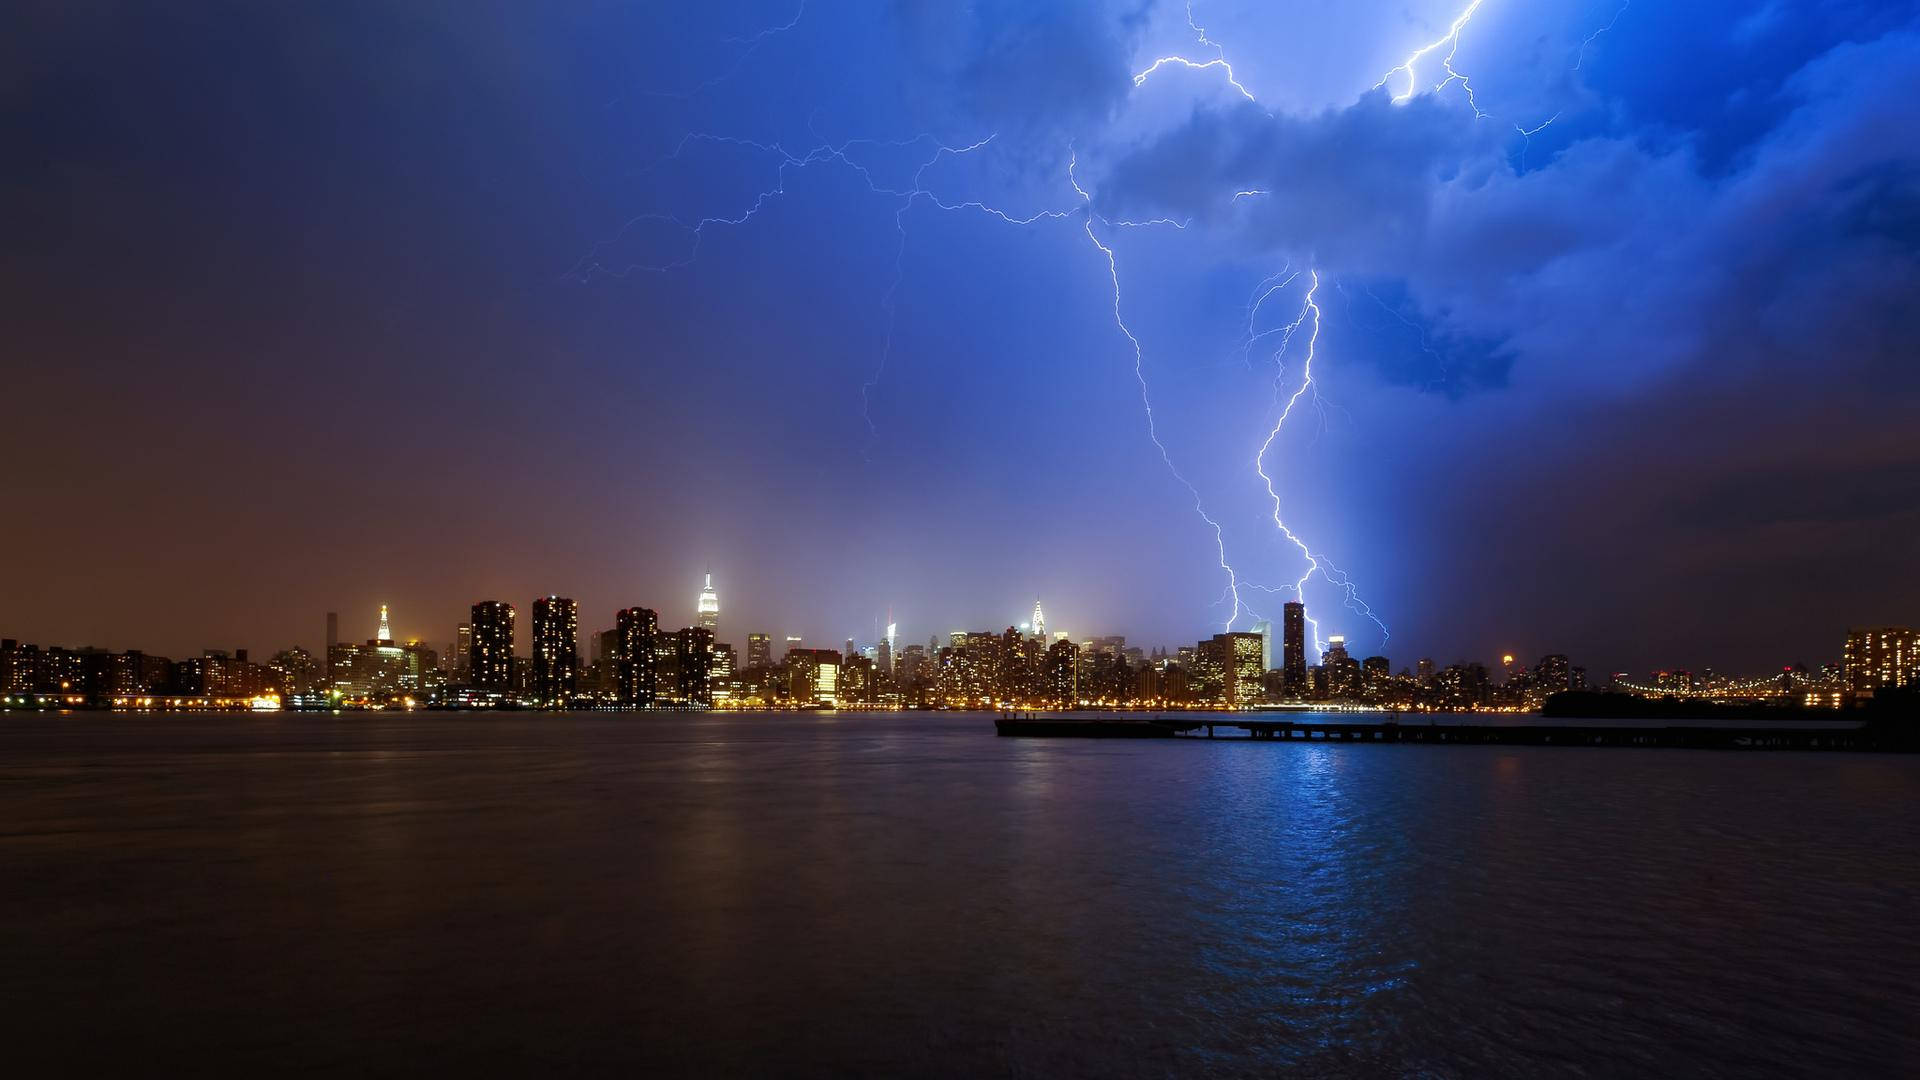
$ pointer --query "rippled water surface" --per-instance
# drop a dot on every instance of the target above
(891, 895)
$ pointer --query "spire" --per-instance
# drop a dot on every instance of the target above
(385, 633)
(708, 607)
(1039, 621)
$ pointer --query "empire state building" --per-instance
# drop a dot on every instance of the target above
(708, 610)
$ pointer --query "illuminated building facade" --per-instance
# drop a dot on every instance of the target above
(635, 657)
(556, 649)
(1882, 658)
(490, 656)
(1342, 670)
(759, 650)
(723, 671)
(813, 676)
(693, 668)
(1234, 667)
(707, 609)
(1293, 648)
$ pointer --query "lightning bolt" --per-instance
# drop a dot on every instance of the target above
(917, 192)
(1581, 57)
(1146, 401)
(1219, 60)
(1451, 39)
(752, 42)
(1309, 319)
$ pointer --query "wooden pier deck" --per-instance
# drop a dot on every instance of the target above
(1447, 733)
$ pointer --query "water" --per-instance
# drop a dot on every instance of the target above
(889, 895)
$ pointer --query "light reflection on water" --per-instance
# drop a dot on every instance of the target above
(909, 894)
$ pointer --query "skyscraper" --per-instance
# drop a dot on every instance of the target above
(707, 611)
(386, 632)
(1880, 658)
(1343, 671)
(1265, 629)
(1293, 648)
(634, 660)
(693, 649)
(490, 658)
(759, 650)
(556, 649)
(333, 639)
(1039, 621)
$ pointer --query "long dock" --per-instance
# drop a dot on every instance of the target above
(1834, 737)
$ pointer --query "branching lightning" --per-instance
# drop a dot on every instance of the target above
(1146, 402)
(752, 42)
(1219, 60)
(1581, 57)
(1304, 327)
(1451, 39)
(1309, 318)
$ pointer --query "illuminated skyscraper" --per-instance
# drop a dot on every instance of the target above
(693, 662)
(1293, 648)
(1039, 621)
(333, 642)
(556, 649)
(708, 610)
(1881, 658)
(1265, 629)
(1343, 671)
(635, 657)
(386, 634)
(490, 659)
(759, 650)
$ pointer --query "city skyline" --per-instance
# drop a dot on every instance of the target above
(1021, 304)
(705, 610)
(558, 649)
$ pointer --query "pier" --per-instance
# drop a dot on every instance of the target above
(1836, 736)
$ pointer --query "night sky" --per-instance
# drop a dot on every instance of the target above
(320, 306)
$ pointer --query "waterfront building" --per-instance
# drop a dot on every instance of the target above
(1293, 648)
(1376, 678)
(1063, 668)
(295, 669)
(333, 639)
(635, 657)
(693, 667)
(1553, 674)
(490, 656)
(1881, 658)
(813, 676)
(1343, 671)
(726, 668)
(556, 650)
(1232, 668)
